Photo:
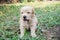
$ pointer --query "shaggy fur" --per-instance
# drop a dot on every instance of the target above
(28, 20)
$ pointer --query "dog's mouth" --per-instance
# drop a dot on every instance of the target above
(26, 19)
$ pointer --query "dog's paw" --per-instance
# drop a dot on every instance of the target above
(21, 36)
(34, 35)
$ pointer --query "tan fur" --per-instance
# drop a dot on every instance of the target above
(28, 11)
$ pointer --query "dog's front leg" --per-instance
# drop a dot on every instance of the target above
(21, 30)
(33, 29)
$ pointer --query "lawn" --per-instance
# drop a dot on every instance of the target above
(48, 15)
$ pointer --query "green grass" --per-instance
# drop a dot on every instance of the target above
(48, 16)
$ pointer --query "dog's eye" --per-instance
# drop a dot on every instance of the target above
(22, 12)
(28, 12)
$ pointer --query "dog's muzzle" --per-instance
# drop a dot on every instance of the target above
(25, 18)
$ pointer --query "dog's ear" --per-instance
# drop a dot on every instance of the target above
(19, 10)
(33, 11)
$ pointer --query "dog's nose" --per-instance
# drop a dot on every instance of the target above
(24, 17)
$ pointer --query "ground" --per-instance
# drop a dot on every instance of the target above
(48, 15)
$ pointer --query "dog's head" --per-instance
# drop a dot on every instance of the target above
(27, 12)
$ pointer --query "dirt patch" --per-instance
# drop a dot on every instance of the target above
(52, 33)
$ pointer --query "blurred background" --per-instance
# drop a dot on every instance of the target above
(21, 1)
(46, 11)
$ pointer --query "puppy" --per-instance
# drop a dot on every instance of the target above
(28, 20)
